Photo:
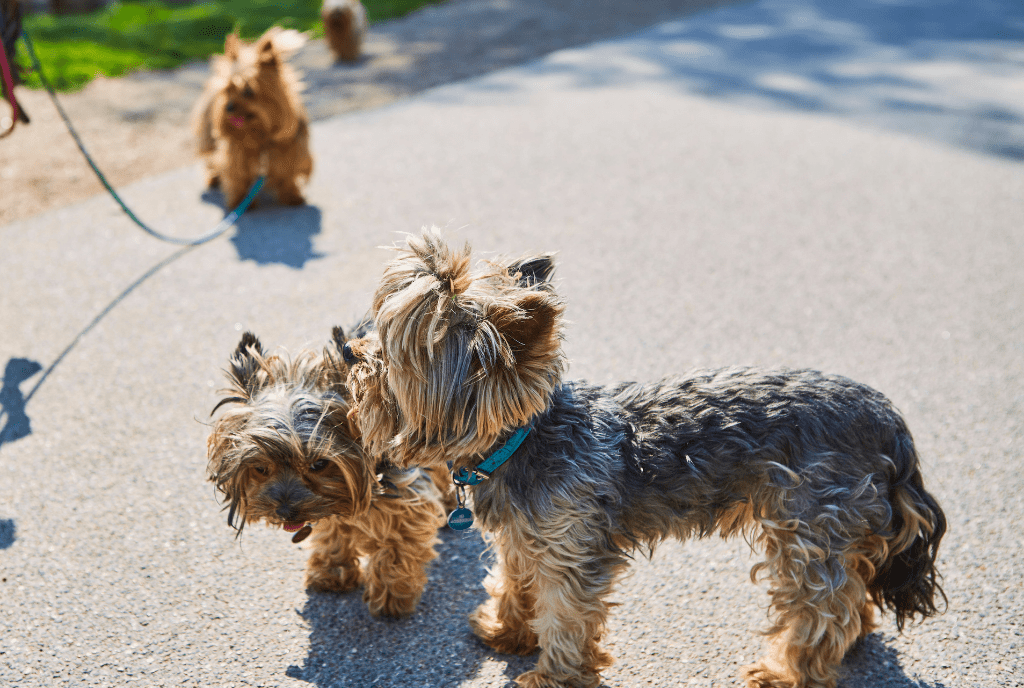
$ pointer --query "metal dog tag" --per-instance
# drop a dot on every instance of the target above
(460, 519)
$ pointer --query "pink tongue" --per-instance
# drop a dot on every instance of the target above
(237, 121)
(292, 527)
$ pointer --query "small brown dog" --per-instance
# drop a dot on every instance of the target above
(250, 120)
(284, 453)
(816, 471)
(344, 27)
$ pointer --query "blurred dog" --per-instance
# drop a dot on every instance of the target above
(344, 27)
(250, 120)
(284, 453)
(817, 471)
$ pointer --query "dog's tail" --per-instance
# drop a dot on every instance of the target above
(907, 582)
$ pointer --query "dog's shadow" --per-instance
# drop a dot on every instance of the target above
(872, 663)
(349, 647)
(273, 233)
(435, 647)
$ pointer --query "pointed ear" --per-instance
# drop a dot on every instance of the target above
(335, 371)
(231, 46)
(533, 270)
(534, 334)
(265, 50)
(245, 364)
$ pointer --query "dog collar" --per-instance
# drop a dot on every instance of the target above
(493, 462)
(462, 518)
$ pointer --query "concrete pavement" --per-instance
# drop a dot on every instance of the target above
(695, 226)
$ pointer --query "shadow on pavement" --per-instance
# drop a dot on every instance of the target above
(14, 422)
(348, 647)
(273, 233)
(871, 664)
(942, 69)
(7, 531)
(19, 369)
(278, 235)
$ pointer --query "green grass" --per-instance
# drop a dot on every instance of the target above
(155, 35)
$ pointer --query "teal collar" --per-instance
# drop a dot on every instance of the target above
(493, 462)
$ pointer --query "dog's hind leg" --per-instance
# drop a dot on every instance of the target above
(819, 599)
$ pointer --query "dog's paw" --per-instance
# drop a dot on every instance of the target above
(333, 578)
(760, 676)
(501, 635)
(537, 679)
(385, 602)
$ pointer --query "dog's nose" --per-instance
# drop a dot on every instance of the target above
(287, 512)
(230, 107)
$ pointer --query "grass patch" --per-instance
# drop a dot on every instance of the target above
(74, 49)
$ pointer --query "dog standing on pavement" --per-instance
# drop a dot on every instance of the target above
(344, 27)
(250, 120)
(818, 472)
(284, 453)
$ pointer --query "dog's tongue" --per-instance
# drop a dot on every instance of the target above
(293, 526)
(237, 120)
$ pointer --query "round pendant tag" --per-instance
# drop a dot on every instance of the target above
(460, 519)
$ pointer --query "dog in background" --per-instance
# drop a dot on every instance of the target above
(284, 453)
(250, 120)
(344, 27)
(818, 472)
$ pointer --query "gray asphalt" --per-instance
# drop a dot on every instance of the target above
(775, 183)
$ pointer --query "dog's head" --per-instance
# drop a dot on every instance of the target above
(283, 451)
(459, 357)
(256, 97)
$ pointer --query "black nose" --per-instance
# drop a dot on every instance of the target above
(230, 107)
(287, 512)
(348, 354)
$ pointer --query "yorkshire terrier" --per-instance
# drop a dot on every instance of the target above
(250, 120)
(818, 472)
(284, 453)
(344, 27)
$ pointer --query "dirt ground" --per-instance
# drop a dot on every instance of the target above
(139, 125)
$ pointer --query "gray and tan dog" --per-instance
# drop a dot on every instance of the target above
(819, 472)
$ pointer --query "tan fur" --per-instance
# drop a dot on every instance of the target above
(344, 27)
(250, 119)
(284, 453)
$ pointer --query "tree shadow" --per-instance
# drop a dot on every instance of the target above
(16, 423)
(940, 69)
(7, 532)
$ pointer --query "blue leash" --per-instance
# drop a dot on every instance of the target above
(223, 226)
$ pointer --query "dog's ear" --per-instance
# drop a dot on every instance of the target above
(231, 46)
(224, 471)
(335, 372)
(532, 271)
(245, 365)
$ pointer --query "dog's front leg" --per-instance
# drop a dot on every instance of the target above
(503, 621)
(333, 565)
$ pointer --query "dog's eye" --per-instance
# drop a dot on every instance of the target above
(247, 92)
(262, 470)
(348, 354)
(319, 465)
